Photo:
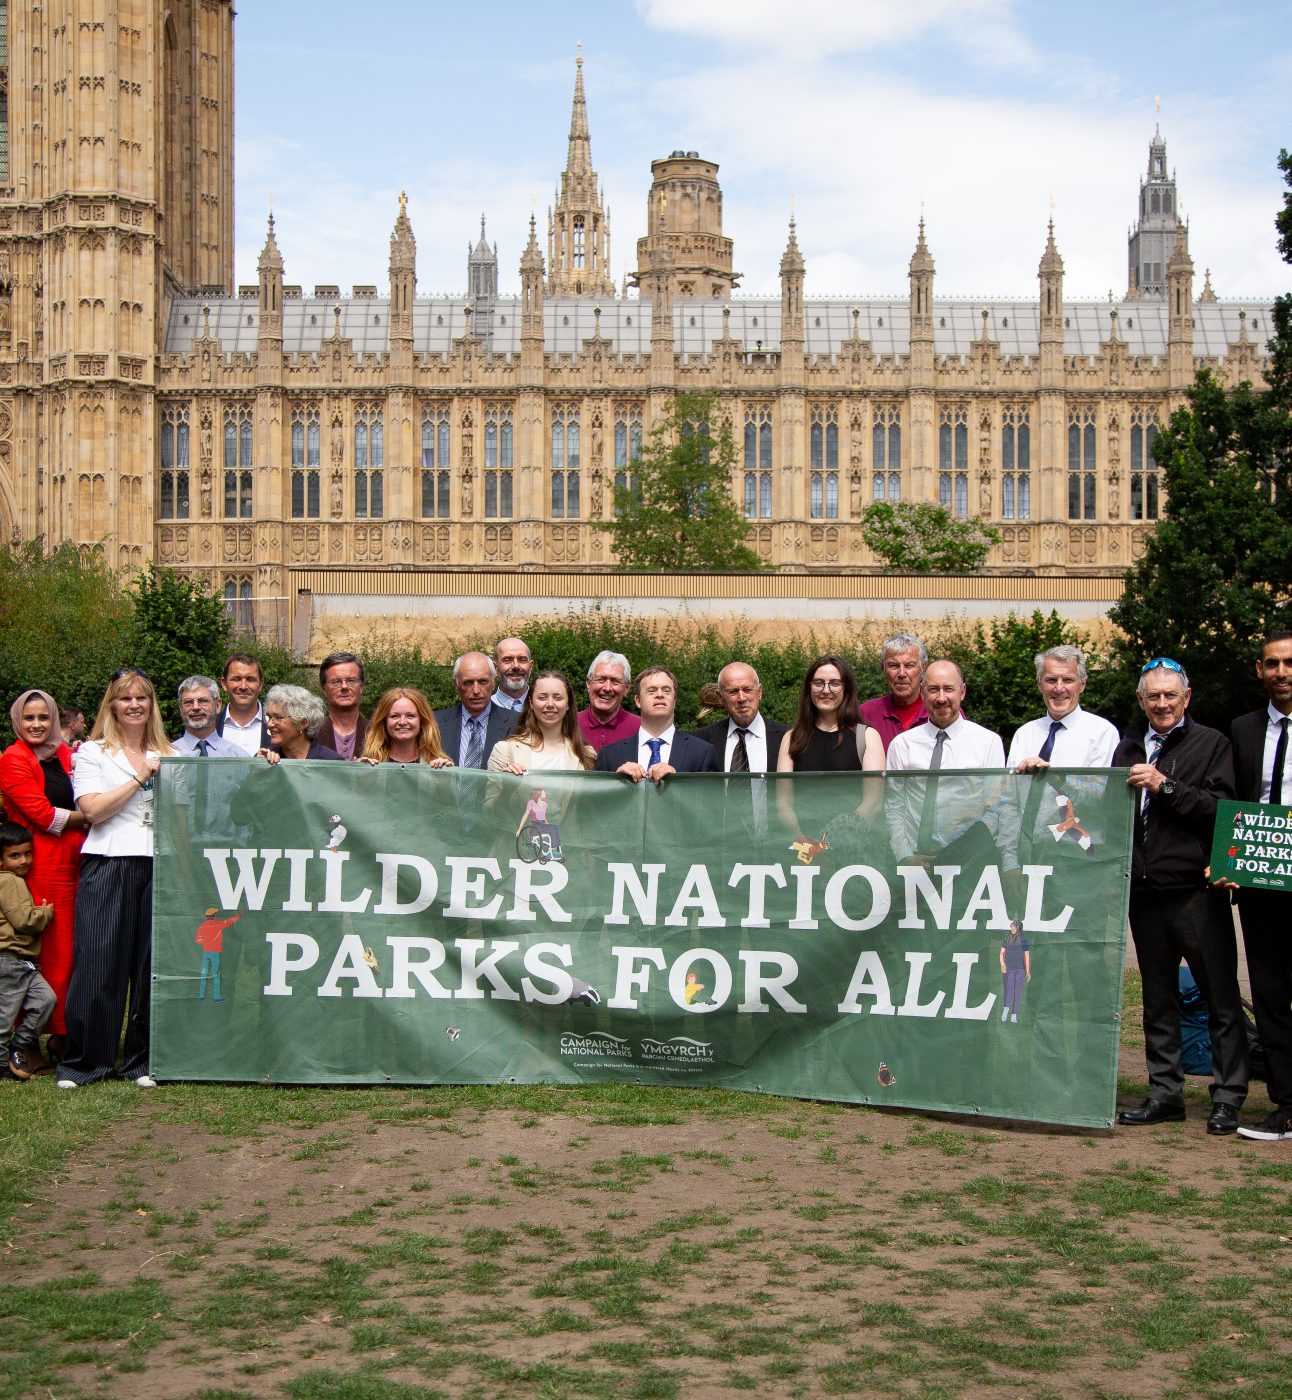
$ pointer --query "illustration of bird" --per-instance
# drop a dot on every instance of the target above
(370, 958)
(336, 835)
(1070, 822)
(886, 1076)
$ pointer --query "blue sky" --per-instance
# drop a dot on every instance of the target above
(852, 114)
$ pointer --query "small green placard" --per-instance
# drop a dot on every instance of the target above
(1253, 845)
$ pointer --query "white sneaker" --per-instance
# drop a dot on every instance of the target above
(68, 1084)
(145, 1081)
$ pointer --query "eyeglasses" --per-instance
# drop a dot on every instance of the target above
(341, 684)
(827, 685)
(1164, 662)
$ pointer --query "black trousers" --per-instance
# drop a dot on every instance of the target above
(1195, 925)
(111, 962)
(1265, 915)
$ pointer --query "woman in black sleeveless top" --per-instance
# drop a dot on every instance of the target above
(829, 735)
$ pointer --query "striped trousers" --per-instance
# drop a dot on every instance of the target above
(111, 965)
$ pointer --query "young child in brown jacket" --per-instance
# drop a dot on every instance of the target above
(22, 988)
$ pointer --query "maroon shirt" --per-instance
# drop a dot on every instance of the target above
(599, 733)
(881, 714)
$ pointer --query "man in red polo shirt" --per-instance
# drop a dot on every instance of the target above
(903, 662)
(605, 721)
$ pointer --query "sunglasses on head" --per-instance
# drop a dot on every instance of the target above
(1163, 661)
(129, 671)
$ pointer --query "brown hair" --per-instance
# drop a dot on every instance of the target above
(805, 724)
(530, 732)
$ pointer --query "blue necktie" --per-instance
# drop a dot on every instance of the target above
(1047, 748)
(656, 746)
(202, 748)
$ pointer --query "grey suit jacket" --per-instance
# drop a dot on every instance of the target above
(499, 723)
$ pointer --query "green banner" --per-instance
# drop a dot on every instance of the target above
(1252, 845)
(817, 935)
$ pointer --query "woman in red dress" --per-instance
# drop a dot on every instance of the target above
(36, 784)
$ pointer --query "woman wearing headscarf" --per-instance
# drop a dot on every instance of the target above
(36, 785)
(115, 772)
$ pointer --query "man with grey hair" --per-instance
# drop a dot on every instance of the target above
(903, 661)
(1066, 735)
(605, 721)
(199, 705)
(471, 728)
(1179, 770)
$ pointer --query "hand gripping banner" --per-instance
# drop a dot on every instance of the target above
(951, 941)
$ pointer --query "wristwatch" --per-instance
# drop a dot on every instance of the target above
(1167, 787)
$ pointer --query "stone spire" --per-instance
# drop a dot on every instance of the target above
(531, 290)
(270, 268)
(792, 296)
(1207, 295)
(578, 229)
(921, 277)
(1153, 236)
(482, 267)
(403, 275)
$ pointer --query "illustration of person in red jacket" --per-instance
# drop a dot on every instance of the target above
(210, 938)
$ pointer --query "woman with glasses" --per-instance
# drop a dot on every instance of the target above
(829, 735)
(294, 717)
(112, 956)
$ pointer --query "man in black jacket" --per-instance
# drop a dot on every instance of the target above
(746, 741)
(1178, 772)
(1263, 773)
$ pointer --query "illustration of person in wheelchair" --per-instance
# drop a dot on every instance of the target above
(537, 839)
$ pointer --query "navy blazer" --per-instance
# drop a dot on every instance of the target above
(715, 735)
(687, 754)
(499, 723)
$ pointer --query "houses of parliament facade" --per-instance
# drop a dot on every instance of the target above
(272, 438)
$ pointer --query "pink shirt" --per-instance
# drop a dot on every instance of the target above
(599, 733)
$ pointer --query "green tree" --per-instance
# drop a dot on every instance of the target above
(1217, 572)
(179, 630)
(679, 514)
(920, 538)
(64, 626)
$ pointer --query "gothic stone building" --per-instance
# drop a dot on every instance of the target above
(267, 438)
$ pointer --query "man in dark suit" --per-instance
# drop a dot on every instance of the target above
(658, 748)
(1178, 772)
(471, 728)
(745, 742)
(1262, 773)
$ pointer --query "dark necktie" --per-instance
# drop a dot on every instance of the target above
(930, 795)
(202, 748)
(1038, 782)
(475, 743)
(1280, 758)
(740, 754)
(656, 747)
(1157, 740)
(1047, 748)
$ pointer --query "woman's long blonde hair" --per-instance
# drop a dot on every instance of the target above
(108, 731)
(377, 743)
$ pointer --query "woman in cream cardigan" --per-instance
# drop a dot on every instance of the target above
(547, 736)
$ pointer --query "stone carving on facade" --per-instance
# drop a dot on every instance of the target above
(204, 485)
(597, 480)
(338, 493)
(468, 502)
(854, 483)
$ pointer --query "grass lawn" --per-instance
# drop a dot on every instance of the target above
(374, 1244)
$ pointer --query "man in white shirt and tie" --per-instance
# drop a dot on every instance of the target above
(659, 748)
(924, 818)
(1066, 736)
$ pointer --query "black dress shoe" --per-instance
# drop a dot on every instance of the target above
(1154, 1111)
(1224, 1119)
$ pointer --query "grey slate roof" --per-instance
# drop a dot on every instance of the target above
(626, 323)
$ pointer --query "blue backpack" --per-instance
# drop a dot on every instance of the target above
(1195, 1039)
